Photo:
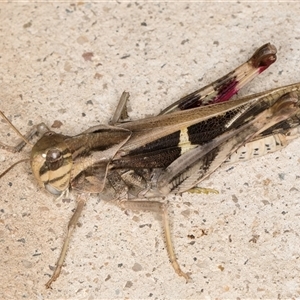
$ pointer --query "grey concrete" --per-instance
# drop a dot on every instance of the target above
(159, 52)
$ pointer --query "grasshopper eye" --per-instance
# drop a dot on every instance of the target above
(54, 159)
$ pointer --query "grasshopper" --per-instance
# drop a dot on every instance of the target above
(136, 164)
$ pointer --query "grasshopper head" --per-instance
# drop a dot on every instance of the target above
(51, 162)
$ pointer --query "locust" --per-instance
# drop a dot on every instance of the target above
(137, 164)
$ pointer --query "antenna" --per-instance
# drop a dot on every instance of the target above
(40, 128)
(12, 166)
(15, 129)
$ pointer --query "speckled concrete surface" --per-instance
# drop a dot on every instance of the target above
(70, 63)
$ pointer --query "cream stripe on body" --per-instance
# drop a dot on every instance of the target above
(184, 141)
